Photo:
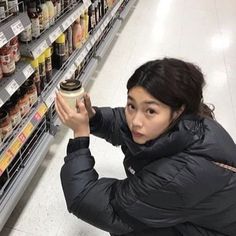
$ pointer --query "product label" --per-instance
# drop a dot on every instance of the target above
(48, 63)
(15, 52)
(60, 49)
(33, 98)
(25, 108)
(6, 130)
(42, 69)
(15, 119)
(35, 27)
(8, 64)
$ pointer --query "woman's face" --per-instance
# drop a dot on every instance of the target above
(146, 116)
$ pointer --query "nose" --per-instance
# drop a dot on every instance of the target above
(137, 120)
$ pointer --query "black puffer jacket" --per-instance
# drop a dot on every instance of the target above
(172, 185)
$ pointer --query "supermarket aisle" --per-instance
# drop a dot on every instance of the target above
(200, 31)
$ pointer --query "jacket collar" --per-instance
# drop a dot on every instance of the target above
(183, 134)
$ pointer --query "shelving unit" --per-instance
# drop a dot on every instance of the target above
(25, 149)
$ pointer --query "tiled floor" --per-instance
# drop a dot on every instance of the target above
(201, 31)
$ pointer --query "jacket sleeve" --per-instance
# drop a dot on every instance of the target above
(87, 196)
(107, 124)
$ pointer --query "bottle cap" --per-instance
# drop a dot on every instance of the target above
(70, 85)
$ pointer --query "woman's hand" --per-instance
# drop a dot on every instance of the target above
(89, 108)
(78, 120)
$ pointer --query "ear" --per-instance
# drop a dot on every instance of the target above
(177, 113)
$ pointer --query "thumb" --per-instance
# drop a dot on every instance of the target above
(81, 106)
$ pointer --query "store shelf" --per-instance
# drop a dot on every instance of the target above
(11, 149)
(25, 175)
(9, 85)
(108, 40)
(36, 47)
(90, 69)
(13, 27)
(128, 7)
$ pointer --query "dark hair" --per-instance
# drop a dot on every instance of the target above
(175, 83)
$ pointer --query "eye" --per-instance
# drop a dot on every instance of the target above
(151, 111)
(130, 106)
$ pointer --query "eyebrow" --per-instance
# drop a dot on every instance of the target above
(146, 102)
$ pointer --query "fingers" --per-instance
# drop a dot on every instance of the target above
(87, 101)
(60, 112)
(62, 104)
(81, 107)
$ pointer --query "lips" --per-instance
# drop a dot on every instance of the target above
(137, 134)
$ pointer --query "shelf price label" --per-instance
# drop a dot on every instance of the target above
(28, 71)
(17, 27)
(5, 161)
(15, 147)
(66, 24)
(12, 87)
(3, 39)
(55, 34)
(1, 103)
(103, 26)
(50, 99)
(27, 130)
(87, 3)
(40, 49)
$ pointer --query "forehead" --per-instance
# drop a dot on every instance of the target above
(139, 94)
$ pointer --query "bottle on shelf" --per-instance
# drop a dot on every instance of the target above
(34, 18)
(77, 34)
(51, 12)
(66, 46)
(23, 101)
(15, 48)
(92, 17)
(70, 39)
(36, 77)
(31, 91)
(59, 51)
(13, 109)
(5, 124)
(83, 26)
(45, 13)
(58, 8)
(39, 10)
(42, 71)
(26, 35)
(86, 18)
(48, 64)
(7, 60)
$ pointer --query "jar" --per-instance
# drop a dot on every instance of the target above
(15, 49)
(7, 61)
(35, 76)
(31, 90)
(71, 90)
(13, 110)
(5, 124)
(24, 103)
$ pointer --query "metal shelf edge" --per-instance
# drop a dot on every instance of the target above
(16, 191)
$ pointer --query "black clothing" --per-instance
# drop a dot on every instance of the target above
(172, 186)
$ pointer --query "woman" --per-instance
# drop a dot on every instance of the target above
(174, 154)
